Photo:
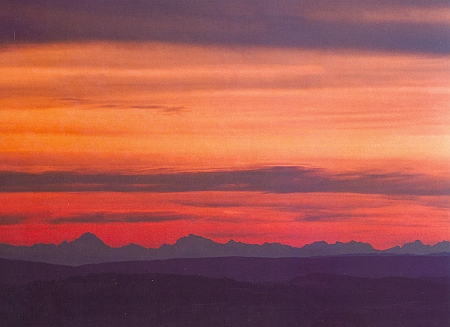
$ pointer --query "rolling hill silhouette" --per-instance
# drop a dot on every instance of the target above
(244, 269)
(173, 300)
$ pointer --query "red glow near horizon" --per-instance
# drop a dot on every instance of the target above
(136, 107)
(250, 217)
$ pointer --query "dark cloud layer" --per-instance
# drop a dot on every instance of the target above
(289, 23)
(272, 180)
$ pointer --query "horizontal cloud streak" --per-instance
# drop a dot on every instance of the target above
(12, 219)
(332, 216)
(90, 104)
(214, 204)
(268, 23)
(123, 217)
(272, 180)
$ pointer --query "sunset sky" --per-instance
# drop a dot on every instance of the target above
(287, 121)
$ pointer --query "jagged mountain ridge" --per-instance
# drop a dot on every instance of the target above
(88, 248)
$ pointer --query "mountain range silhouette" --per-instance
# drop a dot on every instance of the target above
(88, 248)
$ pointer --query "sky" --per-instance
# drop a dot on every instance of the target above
(259, 121)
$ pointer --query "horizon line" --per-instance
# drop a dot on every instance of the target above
(224, 243)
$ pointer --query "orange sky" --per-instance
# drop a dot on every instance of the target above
(196, 106)
(207, 96)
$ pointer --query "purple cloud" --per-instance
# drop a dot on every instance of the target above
(128, 217)
(286, 23)
(271, 180)
(12, 219)
(331, 216)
